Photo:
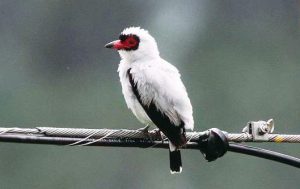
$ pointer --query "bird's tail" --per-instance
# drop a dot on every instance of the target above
(175, 159)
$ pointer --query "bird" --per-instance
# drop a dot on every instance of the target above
(153, 89)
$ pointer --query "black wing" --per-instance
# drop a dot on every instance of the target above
(176, 134)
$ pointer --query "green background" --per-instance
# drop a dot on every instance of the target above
(239, 61)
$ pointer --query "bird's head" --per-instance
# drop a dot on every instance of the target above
(134, 44)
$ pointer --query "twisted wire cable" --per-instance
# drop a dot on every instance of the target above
(135, 134)
(143, 139)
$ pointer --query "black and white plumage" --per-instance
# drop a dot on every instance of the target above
(153, 90)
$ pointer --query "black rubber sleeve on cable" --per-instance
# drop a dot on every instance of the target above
(266, 154)
(214, 145)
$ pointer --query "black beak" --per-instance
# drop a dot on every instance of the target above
(109, 45)
(117, 44)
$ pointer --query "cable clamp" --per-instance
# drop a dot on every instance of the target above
(259, 130)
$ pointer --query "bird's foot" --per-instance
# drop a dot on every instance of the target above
(145, 131)
(158, 135)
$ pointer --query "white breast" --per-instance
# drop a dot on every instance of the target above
(130, 99)
(160, 82)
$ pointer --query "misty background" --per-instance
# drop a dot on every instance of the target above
(239, 61)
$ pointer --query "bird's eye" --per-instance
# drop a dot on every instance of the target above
(131, 41)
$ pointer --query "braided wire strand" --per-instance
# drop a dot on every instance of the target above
(136, 134)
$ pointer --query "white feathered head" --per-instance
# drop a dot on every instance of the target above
(134, 44)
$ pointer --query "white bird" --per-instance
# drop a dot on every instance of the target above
(153, 90)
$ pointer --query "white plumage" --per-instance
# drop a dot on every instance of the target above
(153, 89)
(157, 79)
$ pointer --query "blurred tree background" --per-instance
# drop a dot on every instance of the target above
(239, 61)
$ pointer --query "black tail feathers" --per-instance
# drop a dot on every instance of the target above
(175, 161)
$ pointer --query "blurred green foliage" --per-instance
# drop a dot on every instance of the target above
(239, 61)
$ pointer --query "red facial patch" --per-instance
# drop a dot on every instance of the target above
(130, 42)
